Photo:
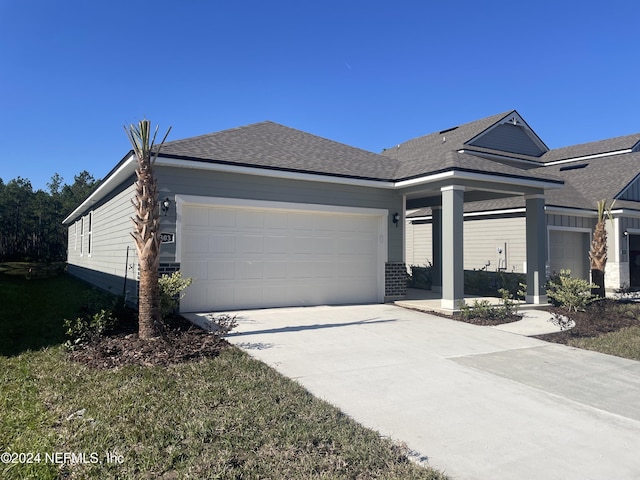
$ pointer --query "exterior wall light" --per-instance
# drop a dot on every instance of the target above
(396, 218)
(166, 203)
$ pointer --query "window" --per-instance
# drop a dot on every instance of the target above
(81, 236)
(89, 233)
(75, 235)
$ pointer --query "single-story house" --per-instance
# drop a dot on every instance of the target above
(265, 215)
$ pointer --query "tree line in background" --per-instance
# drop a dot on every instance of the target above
(31, 221)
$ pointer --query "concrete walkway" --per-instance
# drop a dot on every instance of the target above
(474, 402)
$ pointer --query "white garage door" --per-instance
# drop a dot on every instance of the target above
(569, 250)
(247, 257)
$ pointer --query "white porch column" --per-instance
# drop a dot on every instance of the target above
(436, 249)
(536, 230)
(452, 246)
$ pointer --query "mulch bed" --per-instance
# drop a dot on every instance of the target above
(600, 317)
(488, 322)
(181, 342)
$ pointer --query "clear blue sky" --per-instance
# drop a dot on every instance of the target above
(367, 73)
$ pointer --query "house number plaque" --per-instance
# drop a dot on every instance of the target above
(167, 238)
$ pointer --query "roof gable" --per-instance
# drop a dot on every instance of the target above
(511, 134)
(426, 152)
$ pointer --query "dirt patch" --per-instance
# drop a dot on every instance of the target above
(181, 342)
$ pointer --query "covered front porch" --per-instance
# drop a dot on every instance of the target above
(431, 301)
(446, 193)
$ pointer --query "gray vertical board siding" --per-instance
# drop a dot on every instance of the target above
(509, 138)
(570, 221)
(632, 192)
(197, 182)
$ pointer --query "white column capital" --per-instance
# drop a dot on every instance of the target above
(452, 187)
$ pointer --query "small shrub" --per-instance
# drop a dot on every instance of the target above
(509, 305)
(101, 314)
(564, 323)
(570, 293)
(85, 328)
(479, 309)
(222, 324)
(171, 292)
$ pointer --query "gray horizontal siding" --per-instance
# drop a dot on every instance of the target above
(111, 235)
(481, 240)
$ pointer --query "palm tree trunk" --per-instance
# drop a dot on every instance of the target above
(597, 277)
(146, 232)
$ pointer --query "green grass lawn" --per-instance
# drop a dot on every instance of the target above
(623, 343)
(230, 417)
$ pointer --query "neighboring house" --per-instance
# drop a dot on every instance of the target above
(494, 230)
(265, 215)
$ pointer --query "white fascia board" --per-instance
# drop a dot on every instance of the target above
(483, 177)
(120, 175)
(505, 211)
(264, 172)
(587, 157)
(625, 212)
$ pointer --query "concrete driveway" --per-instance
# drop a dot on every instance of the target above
(474, 402)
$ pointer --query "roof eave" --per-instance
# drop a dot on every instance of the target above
(123, 170)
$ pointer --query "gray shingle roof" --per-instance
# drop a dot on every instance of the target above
(602, 179)
(592, 148)
(427, 152)
(273, 146)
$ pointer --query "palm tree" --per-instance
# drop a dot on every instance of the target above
(146, 231)
(598, 251)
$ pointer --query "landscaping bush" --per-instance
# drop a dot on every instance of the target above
(568, 292)
(420, 276)
(100, 315)
(171, 292)
(483, 282)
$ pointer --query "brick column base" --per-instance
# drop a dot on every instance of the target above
(395, 281)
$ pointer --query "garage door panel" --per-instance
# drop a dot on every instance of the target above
(222, 243)
(275, 270)
(275, 245)
(568, 250)
(194, 242)
(249, 244)
(250, 219)
(221, 270)
(197, 270)
(252, 258)
(222, 218)
(300, 245)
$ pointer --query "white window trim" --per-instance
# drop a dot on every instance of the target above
(82, 236)
(90, 235)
